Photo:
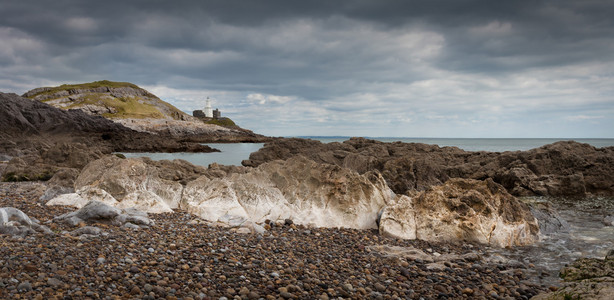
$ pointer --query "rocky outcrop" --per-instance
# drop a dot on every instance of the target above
(297, 189)
(125, 183)
(193, 130)
(137, 109)
(462, 210)
(560, 169)
(21, 116)
(98, 212)
(39, 139)
(585, 278)
(15, 222)
(111, 99)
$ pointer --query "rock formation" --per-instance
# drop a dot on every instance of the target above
(15, 222)
(124, 183)
(462, 210)
(585, 278)
(40, 139)
(109, 99)
(309, 193)
(98, 212)
(137, 109)
(559, 169)
(298, 189)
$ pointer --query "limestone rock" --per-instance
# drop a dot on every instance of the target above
(62, 182)
(462, 210)
(132, 180)
(98, 212)
(298, 189)
(15, 222)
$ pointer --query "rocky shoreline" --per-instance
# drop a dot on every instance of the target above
(182, 258)
(301, 219)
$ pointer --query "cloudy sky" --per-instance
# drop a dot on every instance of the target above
(449, 68)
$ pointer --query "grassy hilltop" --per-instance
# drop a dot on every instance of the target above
(114, 100)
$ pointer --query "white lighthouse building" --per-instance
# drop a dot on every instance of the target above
(208, 109)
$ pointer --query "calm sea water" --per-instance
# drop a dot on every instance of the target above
(483, 144)
(231, 154)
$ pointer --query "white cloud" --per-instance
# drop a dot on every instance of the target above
(263, 99)
(583, 118)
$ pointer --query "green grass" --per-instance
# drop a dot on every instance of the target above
(89, 85)
(226, 122)
(127, 107)
(12, 177)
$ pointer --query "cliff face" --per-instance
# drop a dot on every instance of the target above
(19, 117)
(114, 100)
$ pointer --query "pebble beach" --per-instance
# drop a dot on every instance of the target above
(181, 258)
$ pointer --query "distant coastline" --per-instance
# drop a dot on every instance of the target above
(476, 144)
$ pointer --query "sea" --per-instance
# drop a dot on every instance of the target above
(235, 153)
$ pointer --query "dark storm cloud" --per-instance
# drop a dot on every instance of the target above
(460, 62)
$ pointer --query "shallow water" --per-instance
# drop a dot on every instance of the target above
(231, 154)
(587, 236)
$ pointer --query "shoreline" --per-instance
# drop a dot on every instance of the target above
(180, 259)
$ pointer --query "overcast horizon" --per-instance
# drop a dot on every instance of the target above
(442, 69)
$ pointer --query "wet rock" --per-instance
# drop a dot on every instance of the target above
(585, 278)
(548, 218)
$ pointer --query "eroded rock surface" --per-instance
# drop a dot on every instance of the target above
(560, 169)
(15, 222)
(99, 212)
(298, 189)
(462, 209)
(585, 278)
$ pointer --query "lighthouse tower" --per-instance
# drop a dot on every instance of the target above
(208, 109)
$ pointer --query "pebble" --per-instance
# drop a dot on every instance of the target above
(200, 261)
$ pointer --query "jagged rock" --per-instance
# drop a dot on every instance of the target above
(608, 220)
(298, 189)
(560, 169)
(462, 210)
(62, 182)
(585, 278)
(98, 212)
(15, 222)
(548, 218)
(131, 180)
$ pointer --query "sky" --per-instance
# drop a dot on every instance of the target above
(440, 68)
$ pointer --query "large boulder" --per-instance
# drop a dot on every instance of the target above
(298, 189)
(462, 210)
(131, 180)
(15, 222)
(98, 212)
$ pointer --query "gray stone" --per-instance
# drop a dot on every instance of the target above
(24, 286)
(54, 282)
(608, 220)
(90, 230)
